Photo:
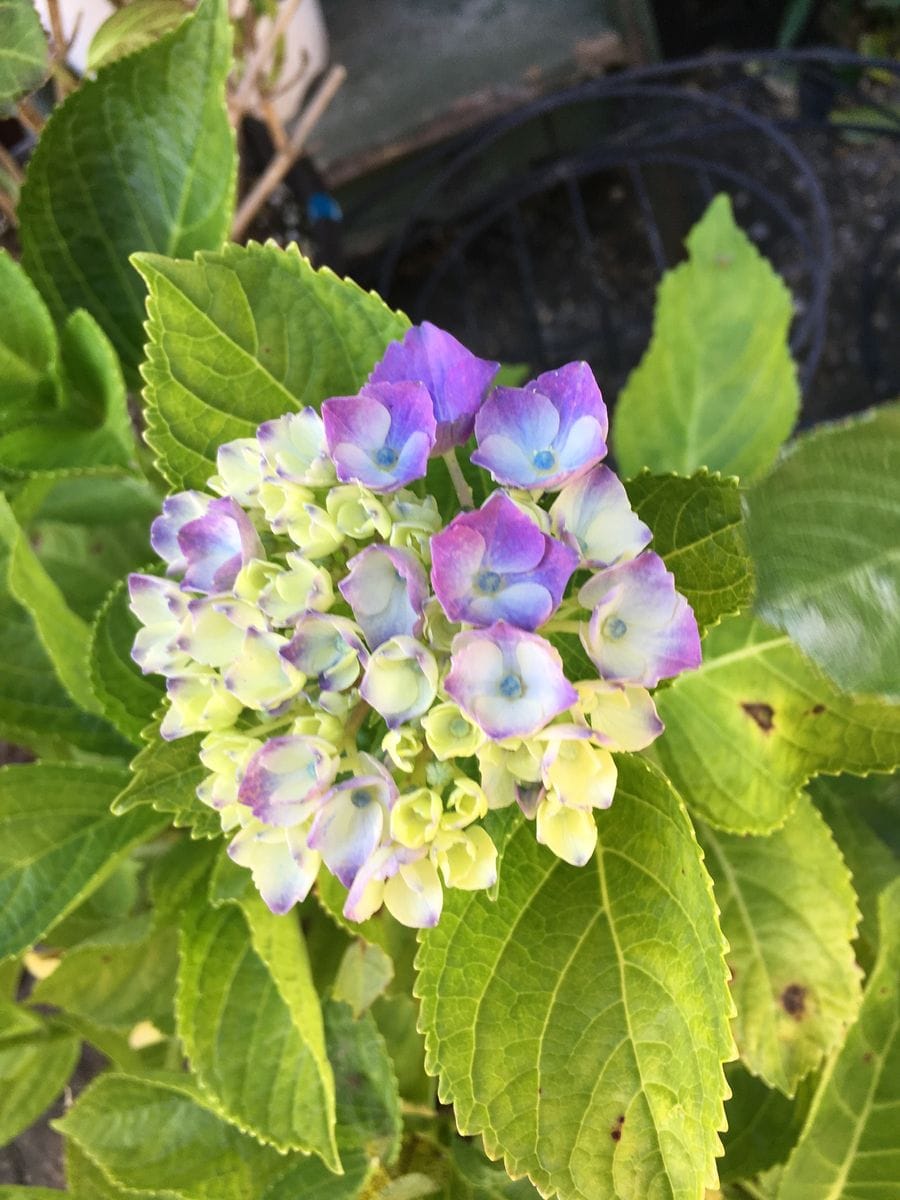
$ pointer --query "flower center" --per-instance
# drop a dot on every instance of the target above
(459, 727)
(544, 460)
(511, 686)
(360, 797)
(615, 628)
(386, 458)
(488, 582)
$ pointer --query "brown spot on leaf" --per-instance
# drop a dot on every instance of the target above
(762, 714)
(793, 1001)
(616, 1132)
(868, 1056)
(817, 709)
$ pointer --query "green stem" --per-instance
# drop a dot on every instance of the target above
(462, 489)
(562, 627)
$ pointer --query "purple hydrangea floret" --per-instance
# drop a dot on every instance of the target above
(349, 825)
(456, 379)
(641, 629)
(177, 511)
(381, 437)
(509, 682)
(497, 565)
(386, 587)
(216, 545)
(545, 433)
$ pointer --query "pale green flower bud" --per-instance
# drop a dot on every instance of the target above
(467, 858)
(466, 803)
(415, 818)
(438, 775)
(571, 833)
(259, 677)
(402, 747)
(303, 587)
(450, 734)
(226, 755)
(198, 703)
(577, 773)
(253, 577)
(504, 765)
(525, 502)
(290, 509)
(357, 512)
(240, 474)
(321, 724)
(439, 629)
(414, 520)
(213, 632)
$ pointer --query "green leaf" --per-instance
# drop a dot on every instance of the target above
(789, 915)
(763, 1124)
(452, 1169)
(90, 430)
(99, 501)
(23, 51)
(63, 635)
(86, 561)
(397, 1020)
(362, 976)
(244, 335)
(132, 28)
(249, 1018)
(165, 776)
(127, 698)
(28, 346)
(845, 803)
(698, 531)
(310, 1179)
(154, 1135)
(87, 1182)
(147, 151)
(36, 1062)
(824, 531)
(849, 1148)
(583, 1046)
(58, 842)
(368, 1104)
(746, 731)
(717, 387)
(125, 976)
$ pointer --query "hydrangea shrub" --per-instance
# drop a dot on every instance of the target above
(423, 803)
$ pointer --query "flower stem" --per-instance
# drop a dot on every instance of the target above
(462, 489)
(562, 627)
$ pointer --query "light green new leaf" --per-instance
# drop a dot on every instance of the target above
(132, 28)
(362, 976)
(117, 979)
(249, 1018)
(154, 1135)
(245, 335)
(58, 842)
(717, 387)
(846, 804)
(584, 1045)
(824, 531)
(28, 346)
(63, 635)
(140, 159)
(90, 429)
(36, 1062)
(789, 915)
(746, 731)
(127, 698)
(698, 531)
(849, 1149)
(23, 51)
(165, 776)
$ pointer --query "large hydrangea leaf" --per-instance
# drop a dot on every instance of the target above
(747, 730)
(824, 531)
(849, 1149)
(250, 1021)
(584, 1045)
(698, 531)
(164, 777)
(35, 1064)
(58, 842)
(717, 387)
(147, 152)
(789, 916)
(245, 335)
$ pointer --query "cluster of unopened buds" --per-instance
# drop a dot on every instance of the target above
(371, 678)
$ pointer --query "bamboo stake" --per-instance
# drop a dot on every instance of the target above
(282, 163)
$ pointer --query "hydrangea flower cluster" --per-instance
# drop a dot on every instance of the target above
(372, 679)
